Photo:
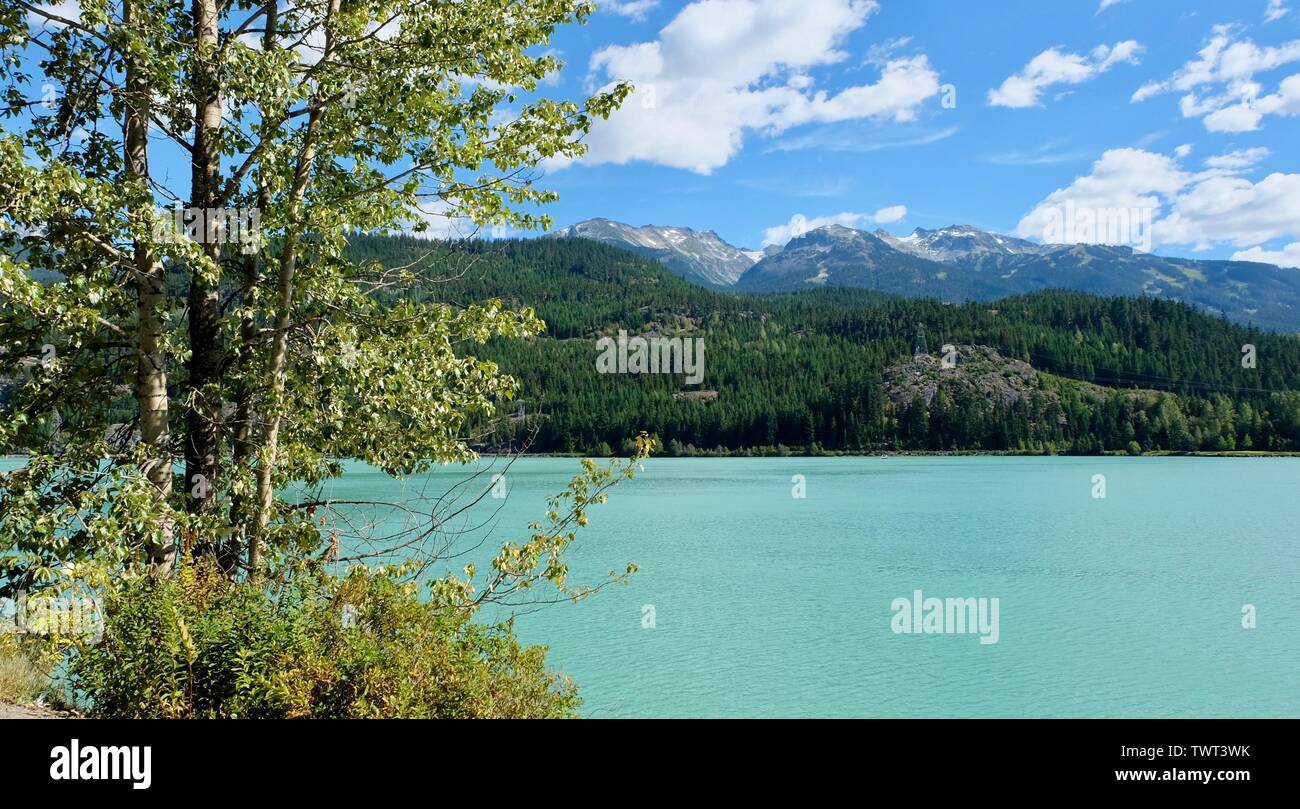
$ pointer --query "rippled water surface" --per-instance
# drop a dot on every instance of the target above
(768, 605)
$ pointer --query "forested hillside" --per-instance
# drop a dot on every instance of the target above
(806, 371)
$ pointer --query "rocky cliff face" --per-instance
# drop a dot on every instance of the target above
(986, 376)
(978, 369)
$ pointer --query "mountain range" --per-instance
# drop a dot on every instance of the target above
(960, 263)
(845, 369)
(700, 256)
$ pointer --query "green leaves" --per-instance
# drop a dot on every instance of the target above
(202, 647)
(407, 113)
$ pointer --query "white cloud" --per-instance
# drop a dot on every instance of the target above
(1214, 206)
(1219, 85)
(1239, 160)
(1246, 115)
(724, 68)
(1288, 256)
(800, 224)
(1183, 150)
(833, 140)
(1044, 154)
(881, 53)
(1286, 101)
(1052, 66)
(1121, 178)
(1237, 118)
(64, 9)
(1235, 210)
(1276, 10)
(632, 9)
(442, 220)
(893, 213)
(1146, 91)
(309, 44)
(1105, 4)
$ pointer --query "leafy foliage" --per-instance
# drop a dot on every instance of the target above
(127, 345)
(366, 645)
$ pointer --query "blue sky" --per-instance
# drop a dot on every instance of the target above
(760, 119)
(850, 110)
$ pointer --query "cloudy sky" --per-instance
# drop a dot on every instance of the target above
(761, 118)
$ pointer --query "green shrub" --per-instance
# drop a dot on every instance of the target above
(201, 646)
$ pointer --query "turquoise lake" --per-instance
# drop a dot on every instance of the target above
(768, 605)
(765, 604)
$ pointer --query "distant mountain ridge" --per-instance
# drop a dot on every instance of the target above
(959, 241)
(961, 263)
(700, 256)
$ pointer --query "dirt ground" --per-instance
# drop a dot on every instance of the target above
(8, 711)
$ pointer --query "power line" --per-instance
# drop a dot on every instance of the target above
(1116, 376)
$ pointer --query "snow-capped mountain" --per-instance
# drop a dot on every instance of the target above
(699, 256)
(835, 255)
(961, 263)
(958, 242)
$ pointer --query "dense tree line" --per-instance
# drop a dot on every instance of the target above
(803, 371)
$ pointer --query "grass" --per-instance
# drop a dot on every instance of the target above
(21, 680)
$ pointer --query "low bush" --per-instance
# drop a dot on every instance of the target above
(365, 645)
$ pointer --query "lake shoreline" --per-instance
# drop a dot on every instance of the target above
(889, 454)
(919, 454)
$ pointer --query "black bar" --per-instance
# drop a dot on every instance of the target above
(1003, 756)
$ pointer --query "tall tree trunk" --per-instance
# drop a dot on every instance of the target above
(243, 443)
(203, 422)
(151, 300)
(276, 367)
(245, 446)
